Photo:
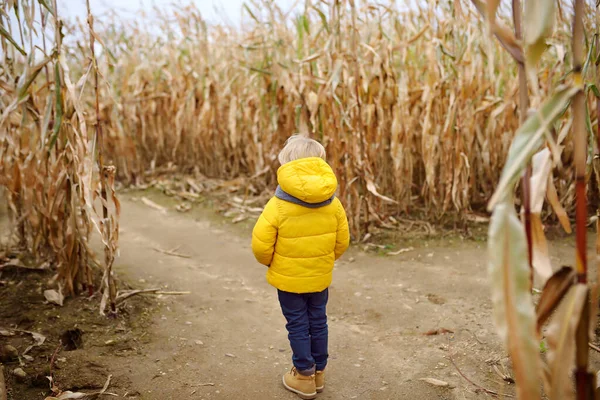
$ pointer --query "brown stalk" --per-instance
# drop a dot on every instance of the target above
(582, 377)
(100, 144)
(596, 162)
(359, 122)
(523, 107)
(580, 143)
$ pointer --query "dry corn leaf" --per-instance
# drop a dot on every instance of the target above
(598, 239)
(538, 21)
(554, 290)
(528, 139)
(541, 169)
(514, 313)
(373, 189)
(492, 8)
(4, 33)
(554, 201)
(505, 36)
(541, 165)
(561, 343)
(540, 257)
(68, 395)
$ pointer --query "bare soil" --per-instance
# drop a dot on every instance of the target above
(394, 320)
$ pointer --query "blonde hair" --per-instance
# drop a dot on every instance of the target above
(298, 146)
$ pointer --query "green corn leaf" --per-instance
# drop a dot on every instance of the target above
(590, 130)
(594, 89)
(7, 36)
(514, 313)
(323, 18)
(30, 77)
(528, 139)
(306, 24)
(588, 58)
(259, 70)
(46, 119)
(538, 20)
(300, 30)
(58, 114)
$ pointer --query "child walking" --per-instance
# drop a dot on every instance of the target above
(301, 232)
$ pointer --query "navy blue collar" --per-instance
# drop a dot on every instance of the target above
(280, 194)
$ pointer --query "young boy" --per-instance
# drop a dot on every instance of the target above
(301, 232)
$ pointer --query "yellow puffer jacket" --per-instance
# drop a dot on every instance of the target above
(303, 229)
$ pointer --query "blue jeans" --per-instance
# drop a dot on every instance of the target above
(306, 317)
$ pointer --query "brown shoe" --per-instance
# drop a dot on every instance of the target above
(302, 385)
(320, 381)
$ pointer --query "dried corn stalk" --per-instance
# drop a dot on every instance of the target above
(46, 150)
(411, 116)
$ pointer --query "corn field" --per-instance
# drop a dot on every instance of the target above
(48, 138)
(416, 109)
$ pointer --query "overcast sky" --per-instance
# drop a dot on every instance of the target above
(212, 10)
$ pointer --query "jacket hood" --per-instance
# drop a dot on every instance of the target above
(310, 180)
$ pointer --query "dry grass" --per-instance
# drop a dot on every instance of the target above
(416, 109)
(48, 146)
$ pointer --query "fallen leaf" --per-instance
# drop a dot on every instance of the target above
(478, 219)
(436, 382)
(183, 207)
(239, 218)
(54, 297)
(395, 253)
(152, 204)
(435, 332)
(19, 373)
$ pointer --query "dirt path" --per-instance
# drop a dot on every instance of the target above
(227, 339)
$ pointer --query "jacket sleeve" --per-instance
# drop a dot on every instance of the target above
(343, 236)
(264, 235)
